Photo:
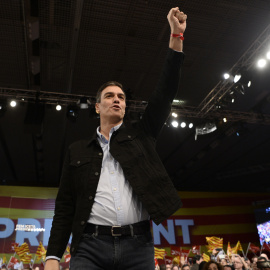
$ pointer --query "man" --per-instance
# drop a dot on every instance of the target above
(196, 260)
(112, 184)
(238, 263)
(185, 267)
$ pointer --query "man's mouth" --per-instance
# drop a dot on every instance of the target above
(116, 107)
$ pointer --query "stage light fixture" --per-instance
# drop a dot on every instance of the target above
(268, 55)
(225, 120)
(84, 103)
(175, 124)
(190, 125)
(174, 114)
(13, 103)
(58, 107)
(183, 125)
(226, 76)
(261, 63)
(237, 77)
(72, 112)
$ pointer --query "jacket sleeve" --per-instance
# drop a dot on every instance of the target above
(160, 102)
(63, 214)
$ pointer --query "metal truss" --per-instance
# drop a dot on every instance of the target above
(139, 106)
(247, 61)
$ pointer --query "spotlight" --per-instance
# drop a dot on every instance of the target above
(3, 107)
(225, 120)
(175, 124)
(226, 76)
(268, 55)
(190, 125)
(261, 63)
(84, 102)
(183, 124)
(174, 114)
(13, 103)
(58, 107)
(72, 112)
(237, 77)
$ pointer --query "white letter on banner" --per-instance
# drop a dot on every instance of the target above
(9, 227)
(30, 235)
(184, 223)
(47, 226)
(168, 235)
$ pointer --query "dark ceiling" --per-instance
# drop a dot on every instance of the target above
(72, 47)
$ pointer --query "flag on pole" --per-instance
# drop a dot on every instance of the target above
(237, 248)
(266, 246)
(175, 251)
(26, 258)
(68, 249)
(23, 249)
(4, 259)
(168, 259)
(13, 246)
(214, 242)
(254, 248)
(206, 258)
(160, 253)
(196, 249)
(41, 252)
(12, 262)
(67, 257)
(229, 249)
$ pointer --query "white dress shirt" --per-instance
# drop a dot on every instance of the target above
(115, 202)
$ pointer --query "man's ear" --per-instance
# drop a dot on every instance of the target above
(97, 108)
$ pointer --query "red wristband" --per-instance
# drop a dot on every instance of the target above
(181, 36)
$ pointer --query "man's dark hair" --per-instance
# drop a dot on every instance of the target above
(206, 266)
(103, 86)
(262, 258)
(185, 265)
(228, 265)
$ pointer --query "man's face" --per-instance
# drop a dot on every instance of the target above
(112, 104)
(168, 267)
(237, 263)
(212, 266)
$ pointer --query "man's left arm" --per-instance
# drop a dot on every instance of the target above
(159, 105)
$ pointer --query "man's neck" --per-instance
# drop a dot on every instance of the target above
(106, 127)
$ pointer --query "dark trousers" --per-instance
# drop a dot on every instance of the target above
(104, 252)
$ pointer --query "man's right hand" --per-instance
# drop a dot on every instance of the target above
(52, 265)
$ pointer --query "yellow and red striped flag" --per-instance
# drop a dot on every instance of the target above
(206, 258)
(41, 252)
(214, 242)
(21, 250)
(26, 258)
(68, 249)
(160, 253)
(229, 249)
(237, 248)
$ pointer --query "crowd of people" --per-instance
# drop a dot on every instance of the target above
(220, 262)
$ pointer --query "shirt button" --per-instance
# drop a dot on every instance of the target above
(90, 198)
(96, 173)
(129, 136)
(100, 154)
(82, 222)
(114, 189)
(118, 208)
(112, 172)
(78, 162)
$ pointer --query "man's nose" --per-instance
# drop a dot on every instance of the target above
(116, 99)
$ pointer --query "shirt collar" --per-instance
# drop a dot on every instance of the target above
(102, 138)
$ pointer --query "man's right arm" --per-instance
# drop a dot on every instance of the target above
(63, 217)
